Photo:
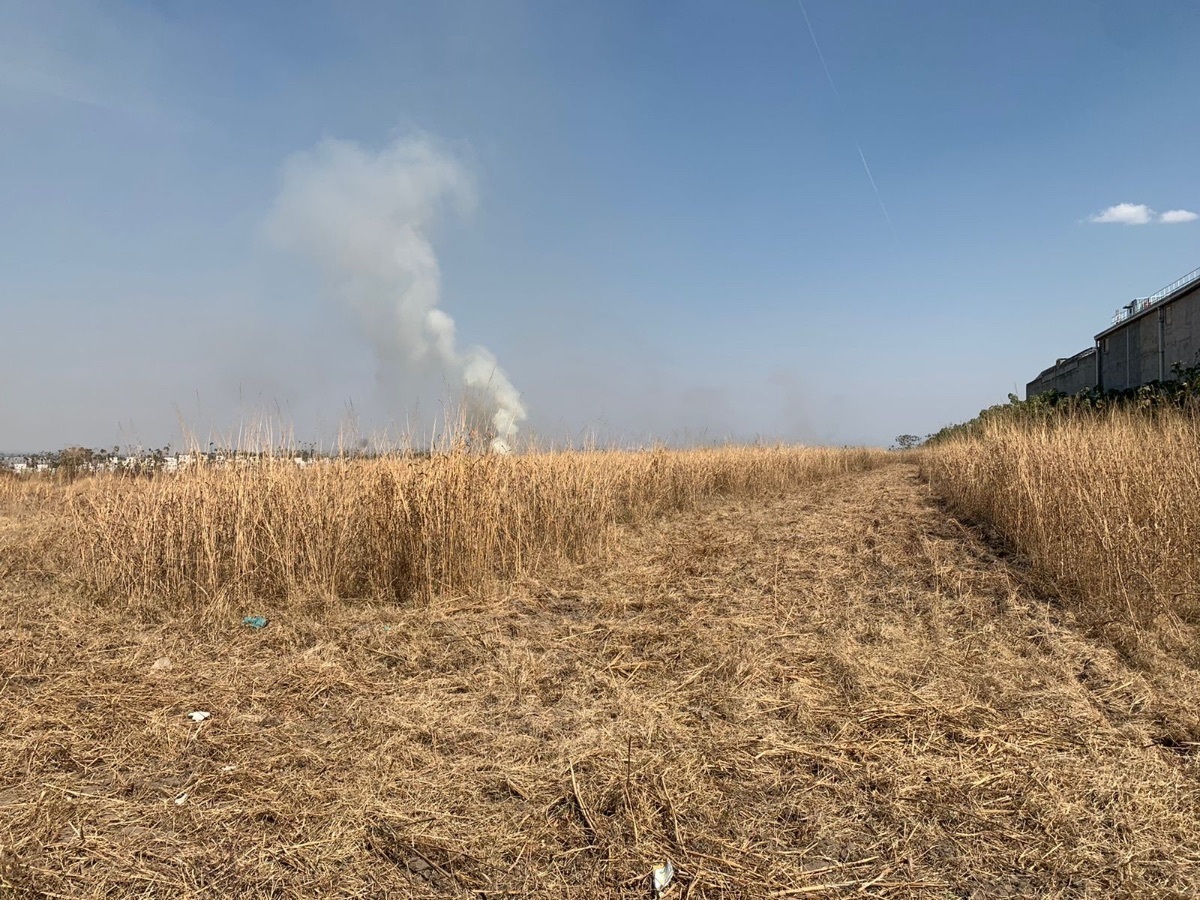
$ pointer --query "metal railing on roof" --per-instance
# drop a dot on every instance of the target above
(1142, 303)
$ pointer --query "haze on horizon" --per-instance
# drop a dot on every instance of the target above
(829, 223)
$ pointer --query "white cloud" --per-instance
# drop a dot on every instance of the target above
(1124, 214)
(1141, 214)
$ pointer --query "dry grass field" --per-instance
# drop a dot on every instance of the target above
(392, 528)
(790, 673)
(1107, 508)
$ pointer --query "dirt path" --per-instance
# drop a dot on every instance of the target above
(837, 693)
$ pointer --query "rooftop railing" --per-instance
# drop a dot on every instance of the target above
(1131, 309)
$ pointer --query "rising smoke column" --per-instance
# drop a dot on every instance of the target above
(365, 218)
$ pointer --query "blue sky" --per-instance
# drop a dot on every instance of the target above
(671, 231)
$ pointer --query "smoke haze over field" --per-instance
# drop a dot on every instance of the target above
(654, 216)
(365, 218)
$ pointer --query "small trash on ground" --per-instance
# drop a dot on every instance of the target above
(181, 799)
(163, 662)
(661, 877)
(255, 621)
(199, 715)
(225, 770)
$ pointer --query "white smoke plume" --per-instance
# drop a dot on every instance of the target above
(365, 218)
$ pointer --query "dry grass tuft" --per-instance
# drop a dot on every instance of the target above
(32, 528)
(1107, 507)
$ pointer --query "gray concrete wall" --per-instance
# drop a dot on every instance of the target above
(1181, 331)
(1069, 376)
(1130, 354)
(1124, 354)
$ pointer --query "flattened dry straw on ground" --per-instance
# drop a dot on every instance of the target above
(830, 691)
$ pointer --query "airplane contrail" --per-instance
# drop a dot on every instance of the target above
(820, 55)
(878, 196)
(829, 77)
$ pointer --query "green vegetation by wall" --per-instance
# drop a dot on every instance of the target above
(1181, 392)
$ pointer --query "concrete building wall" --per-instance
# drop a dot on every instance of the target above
(1070, 376)
(1181, 331)
(1148, 345)
(1128, 351)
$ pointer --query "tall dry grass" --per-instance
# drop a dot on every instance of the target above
(31, 525)
(396, 528)
(1106, 505)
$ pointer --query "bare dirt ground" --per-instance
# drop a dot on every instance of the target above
(839, 693)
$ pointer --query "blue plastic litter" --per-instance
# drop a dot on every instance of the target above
(255, 621)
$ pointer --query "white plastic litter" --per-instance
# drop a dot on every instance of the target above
(661, 877)
(181, 799)
(199, 715)
(163, 662)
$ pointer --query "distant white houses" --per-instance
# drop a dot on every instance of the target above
(146, 462)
